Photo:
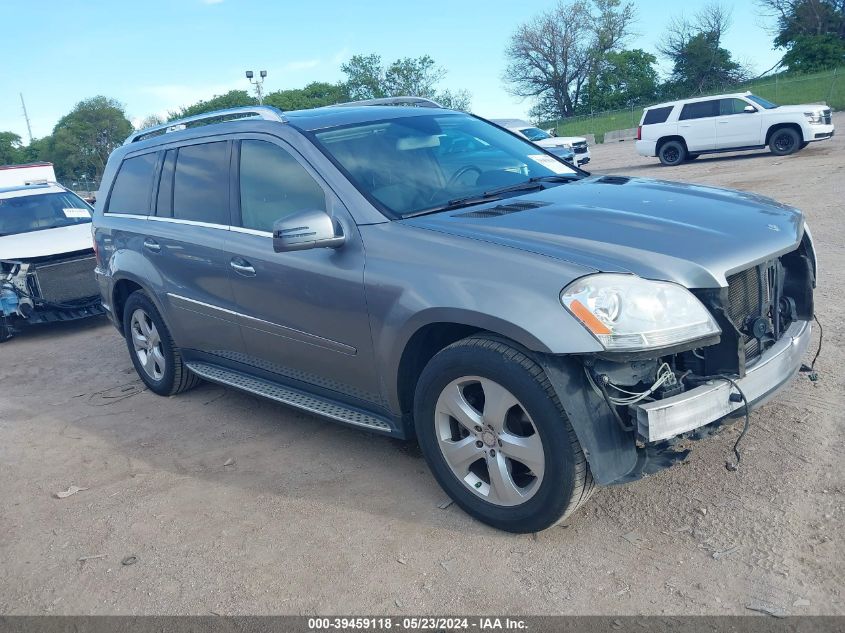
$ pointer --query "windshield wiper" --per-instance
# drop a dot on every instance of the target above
(494, 194)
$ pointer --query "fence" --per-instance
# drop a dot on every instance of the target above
(828, 87)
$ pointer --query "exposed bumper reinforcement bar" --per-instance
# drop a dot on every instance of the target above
(710, 402)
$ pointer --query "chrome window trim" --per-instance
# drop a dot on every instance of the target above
(209, 225)
(134, 216)
(242, 229)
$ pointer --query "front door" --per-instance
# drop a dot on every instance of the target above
(304, 315)
(735, 127)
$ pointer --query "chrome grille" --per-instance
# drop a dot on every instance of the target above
(826, 116)
(580, 147)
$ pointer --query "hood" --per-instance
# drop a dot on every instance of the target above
(690, 234)
(808, 107)
(557, 141)
(63, 239)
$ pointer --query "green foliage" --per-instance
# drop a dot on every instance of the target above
(313, 95)
(232, 99)
(811, 31)
(83, 139)
(811, 53)
(368, 78)
(624, 78)
(701, 65)
(11, 148)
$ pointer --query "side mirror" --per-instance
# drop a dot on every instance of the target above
(749, 108)
(306, 230)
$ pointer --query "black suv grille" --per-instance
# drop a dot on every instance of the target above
(826, 116)
(579, 147)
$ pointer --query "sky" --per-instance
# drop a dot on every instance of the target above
(157, 55)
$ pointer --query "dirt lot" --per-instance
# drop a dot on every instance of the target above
(236, 505)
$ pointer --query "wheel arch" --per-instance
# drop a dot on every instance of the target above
(669, 137)
(779, 126)
(124, 286)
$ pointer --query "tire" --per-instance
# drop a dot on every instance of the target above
(156, 359)
(784, 141)
(672, 153)
(552, 482)
(692, 156)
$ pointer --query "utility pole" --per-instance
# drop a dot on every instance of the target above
(258, 83)
(26, 118)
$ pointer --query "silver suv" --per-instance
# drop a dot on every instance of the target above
(422, 273)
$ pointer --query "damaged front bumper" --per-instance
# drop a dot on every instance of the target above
(692, 409)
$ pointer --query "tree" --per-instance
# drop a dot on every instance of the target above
(151, 121)
(624, 78)
(699, 63)
(368, 78)
(10, 148)
(552, 56)
(232, 99)
(313, 95)
(811, 31)
(83, 139)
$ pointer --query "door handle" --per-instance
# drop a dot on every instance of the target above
(684, 125)
(242, 267)
(152, 245)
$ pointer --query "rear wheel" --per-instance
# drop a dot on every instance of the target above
(672, 153)
(496, 438)
(784, 141)
(156, 359)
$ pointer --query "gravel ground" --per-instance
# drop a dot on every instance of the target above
(234, 505)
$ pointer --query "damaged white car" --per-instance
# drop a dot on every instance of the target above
(46, 257)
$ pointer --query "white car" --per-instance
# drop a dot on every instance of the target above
(682, 130)
(558, 145)
(46, 257)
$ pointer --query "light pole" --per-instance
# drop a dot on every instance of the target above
(258, 83)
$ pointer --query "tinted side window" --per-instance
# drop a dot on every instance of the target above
(131, 190)
(700, 110)
(164, 199)
(274, 185)
(731, 106)
(201, 183)
(657, 115)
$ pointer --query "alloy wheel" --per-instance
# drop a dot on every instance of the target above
(489, 441)
(147, 344)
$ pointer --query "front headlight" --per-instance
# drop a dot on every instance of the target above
(628, 313)
(814, 117)
(565, 146)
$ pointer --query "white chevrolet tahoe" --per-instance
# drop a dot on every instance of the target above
(557, 145)
(681, 130)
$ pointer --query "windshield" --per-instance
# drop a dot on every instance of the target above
(414, 164)
(762, 102)
(24, 214)
(534, 134)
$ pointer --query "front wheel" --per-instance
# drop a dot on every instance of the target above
(496, 437)
(784, 141)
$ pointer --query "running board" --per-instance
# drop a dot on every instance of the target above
(291, 397)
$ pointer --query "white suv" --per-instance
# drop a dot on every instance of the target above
(681, 130)
(558, 145)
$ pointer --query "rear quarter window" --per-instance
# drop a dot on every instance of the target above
(130, 193)
(657, 115)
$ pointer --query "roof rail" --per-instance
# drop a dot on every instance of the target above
(420, 102)
(268, 113)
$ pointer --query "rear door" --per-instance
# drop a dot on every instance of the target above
(697, 124)
(735, 127)
(185, 243)
(304, 316)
